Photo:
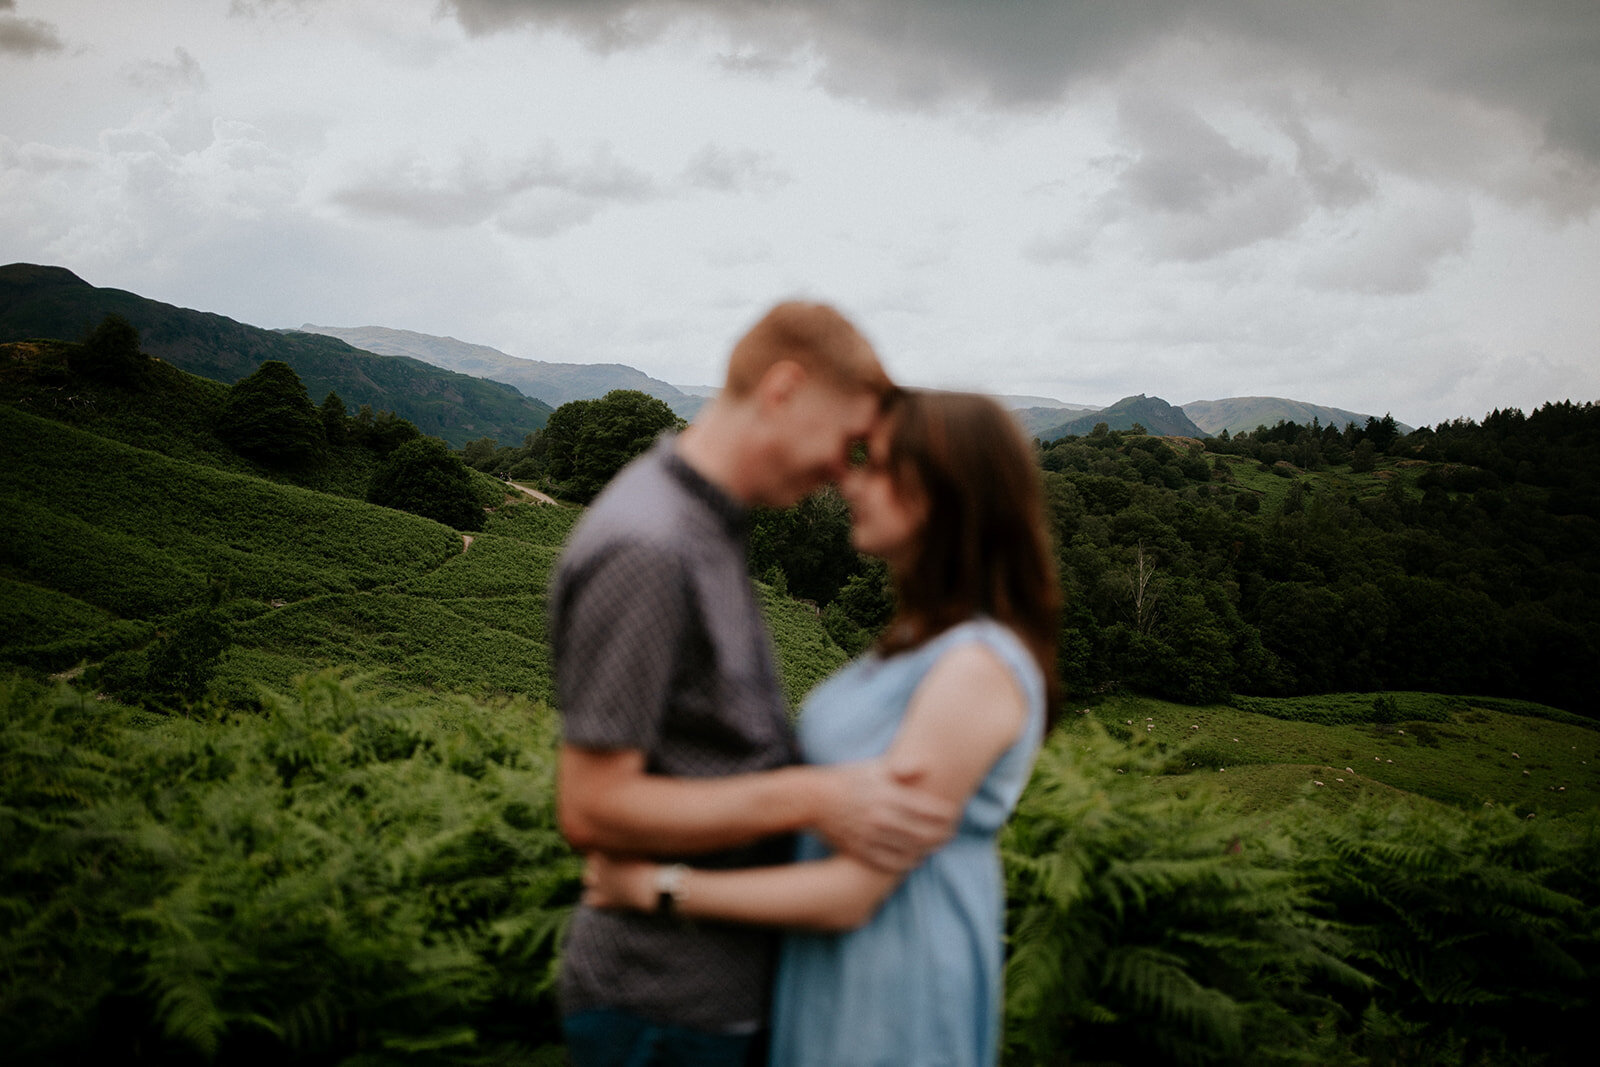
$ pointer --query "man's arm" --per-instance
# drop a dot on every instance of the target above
(967, 712)
(607, 802)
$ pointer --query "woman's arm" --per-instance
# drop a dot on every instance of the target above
(965, 713)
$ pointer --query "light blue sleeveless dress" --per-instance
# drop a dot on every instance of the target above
(920, 983)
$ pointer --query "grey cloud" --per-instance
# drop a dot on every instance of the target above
(606, 25)
(1395, 253)
(545, 213)
(733, 170)
(256, 8)
(757, 62)
(1537, 59)
(913, 52)
(182, 73)
(24, 36)
(1188, 192)
(539, 195)
(1336, 183)
(36, 158)
(1184, 163)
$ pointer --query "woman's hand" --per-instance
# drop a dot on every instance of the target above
(609, 882)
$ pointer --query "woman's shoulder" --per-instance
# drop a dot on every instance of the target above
(999, 639)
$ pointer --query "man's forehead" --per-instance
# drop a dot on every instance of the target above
(860, 411)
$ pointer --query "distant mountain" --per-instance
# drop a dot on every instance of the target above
(553, 383)
(1024, 403)
(1154, 414)
(1242, 414)
(52, 302)
(1040, 421)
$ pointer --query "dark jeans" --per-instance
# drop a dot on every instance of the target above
(609, 1037)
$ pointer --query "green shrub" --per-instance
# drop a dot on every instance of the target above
(425, 478)
(1482, 929)
(270, 418)
(1150, 928)
(1348, 709)
(334, 880)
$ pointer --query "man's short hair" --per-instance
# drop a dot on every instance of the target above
(815, 336)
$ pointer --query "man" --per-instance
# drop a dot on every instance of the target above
(676, 739)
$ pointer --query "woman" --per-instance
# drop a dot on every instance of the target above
(886, 968)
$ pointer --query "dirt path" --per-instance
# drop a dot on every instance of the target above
(466, 542)
(540, 497)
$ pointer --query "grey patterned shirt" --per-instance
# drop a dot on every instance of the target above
(659, 645)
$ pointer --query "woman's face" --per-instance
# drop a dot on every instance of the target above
(886, 520)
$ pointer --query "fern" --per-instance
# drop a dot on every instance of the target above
(336, 878)
(1151, 928)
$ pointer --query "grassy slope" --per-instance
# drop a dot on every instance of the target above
(102, 539)
(1524, 757)
(170, 411)
(1271, 488)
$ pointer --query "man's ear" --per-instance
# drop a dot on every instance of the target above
(778, 385)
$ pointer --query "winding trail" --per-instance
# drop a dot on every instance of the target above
(540, 497)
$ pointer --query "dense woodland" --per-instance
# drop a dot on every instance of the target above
(277, 743)
(1296, 559)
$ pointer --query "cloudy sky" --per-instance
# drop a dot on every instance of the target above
(1381, 205)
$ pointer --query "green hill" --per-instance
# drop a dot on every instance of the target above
(102, 544)
(52, 302)
(370, 868)
(1243, 414)
(166, 410)
(1158, 418)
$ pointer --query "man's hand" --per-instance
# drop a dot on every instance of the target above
(881, 816)
(610, 882)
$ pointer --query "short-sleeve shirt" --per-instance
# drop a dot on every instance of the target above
(659, 645)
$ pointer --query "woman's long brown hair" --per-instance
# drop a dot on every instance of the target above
(984, 549)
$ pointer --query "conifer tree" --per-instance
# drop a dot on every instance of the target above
(270, 418)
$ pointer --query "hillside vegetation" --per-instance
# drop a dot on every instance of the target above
(334, 841)
(52, 303)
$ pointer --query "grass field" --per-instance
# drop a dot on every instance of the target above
(1480, 754)
(1272, 487)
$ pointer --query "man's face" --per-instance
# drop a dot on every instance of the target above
(817, 428)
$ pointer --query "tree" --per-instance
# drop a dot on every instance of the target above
(175, 670)
(334, 419)
(560, 435)
(111, 352)
(589, 441)
(386, 431)
(1141, 594)
(1363, 458)
(482, 454)
(270, 418)
(809, 543)
(425, 478)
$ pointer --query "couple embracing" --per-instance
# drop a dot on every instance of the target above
(830, 895)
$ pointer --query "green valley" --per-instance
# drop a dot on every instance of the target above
(277, 764)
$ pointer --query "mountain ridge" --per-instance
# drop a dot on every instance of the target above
(1157, 416)
(1242, 414)
(53, 302)
(448, 387)
(553, 383)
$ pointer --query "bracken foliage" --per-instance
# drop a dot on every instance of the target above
(1156, 926)
(1148, 928)
(336, 880)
